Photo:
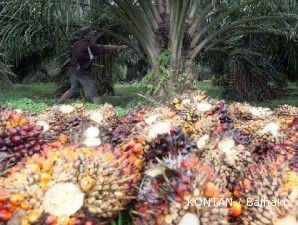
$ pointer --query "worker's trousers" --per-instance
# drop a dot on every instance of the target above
(82, 78)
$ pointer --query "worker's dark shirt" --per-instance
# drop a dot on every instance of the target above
(80, 55)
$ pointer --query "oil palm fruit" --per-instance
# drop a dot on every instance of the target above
(227, 157)
(170, 190)
(128, 127)
(69, 120)
(174, 143)
(244, 111)
(268, 193)
(287, 111)
(104, 116)
(18, 139)
(133, 152)
(10, 119)
(270, 133)
(69, 183)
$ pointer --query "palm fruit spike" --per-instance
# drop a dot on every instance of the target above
(170, 186)
(71, 182)
(228, 158)
(205, 126)
(175, 143)
(261, 187)
(265, 140)
(104, 116)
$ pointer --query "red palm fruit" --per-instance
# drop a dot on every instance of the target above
(89, 222)
(5, 215)
(16, 139)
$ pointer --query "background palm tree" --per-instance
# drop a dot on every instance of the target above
(190, 29)
(32, 31)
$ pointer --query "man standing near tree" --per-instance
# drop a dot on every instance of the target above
(83, 53)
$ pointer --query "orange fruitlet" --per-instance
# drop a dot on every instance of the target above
(63, 138)
(210, 189)
(236, 209)
(247, 184)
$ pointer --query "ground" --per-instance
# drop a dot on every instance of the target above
(37, 97)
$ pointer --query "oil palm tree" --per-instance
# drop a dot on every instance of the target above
(32, 30)
(190, 28)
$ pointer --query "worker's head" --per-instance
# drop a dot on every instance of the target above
(89, 35)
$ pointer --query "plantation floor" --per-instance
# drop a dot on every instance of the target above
(37, 97)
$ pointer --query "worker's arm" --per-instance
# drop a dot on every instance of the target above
(97, 49)
(115, 47)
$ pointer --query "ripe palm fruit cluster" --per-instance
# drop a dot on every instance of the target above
(268, 194)
(104, 116)
(174, 143)
(65, 119)
(6, 211)
(64, 185)
(287, 110)
(226, 156)
(170, 189)
(127, 127)
(18, 139)
(132, 156)
(9, 119)
(195, 114)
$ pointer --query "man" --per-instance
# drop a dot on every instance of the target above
(83, 53)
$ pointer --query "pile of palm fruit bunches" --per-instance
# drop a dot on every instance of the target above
(192, 161)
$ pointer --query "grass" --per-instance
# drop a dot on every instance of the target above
(38, 97)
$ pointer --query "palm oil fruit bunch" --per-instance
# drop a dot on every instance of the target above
(287, 110)
(65, 185)
(65, 119)
(265, 140)
(18, 142)
(132, 154)
(268, 194)
(193, 111)
(245, 112)
(128, 127)
(104, 116)
(174, 143)
(226, 156)
(173, 192)
(10, 118)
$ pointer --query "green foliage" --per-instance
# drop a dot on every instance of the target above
(31, 31)
(6, 75)
(123, 218)
(157, 78)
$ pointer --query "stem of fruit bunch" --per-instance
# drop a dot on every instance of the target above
(123, 180)
(142, 214)
(137, 213)
(147, 98)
